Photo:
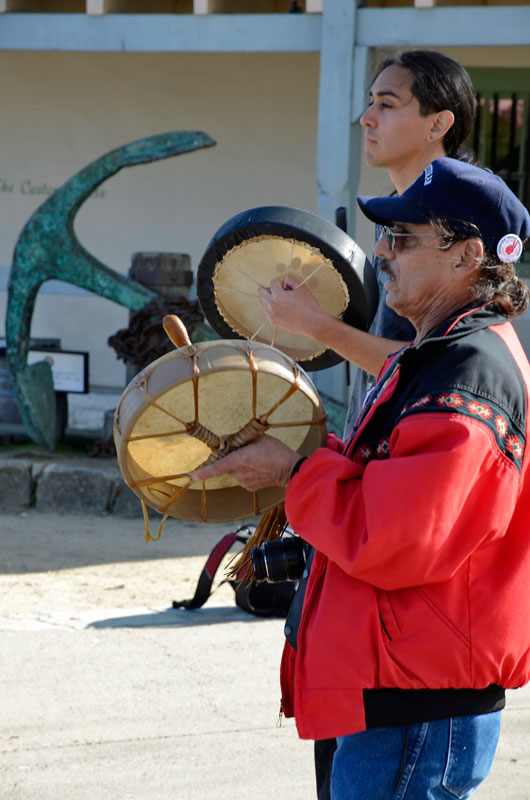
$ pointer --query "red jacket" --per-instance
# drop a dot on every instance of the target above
(421, 576)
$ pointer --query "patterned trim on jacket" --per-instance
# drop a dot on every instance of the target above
(509, 441)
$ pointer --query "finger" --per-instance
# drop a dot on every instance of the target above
(279, 287)
(291, 282)
(210, 471)
(264, 296)
(221, 467)
(201, 474)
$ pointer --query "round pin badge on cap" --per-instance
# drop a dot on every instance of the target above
(509, 248)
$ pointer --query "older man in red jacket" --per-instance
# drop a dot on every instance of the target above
(417, 612)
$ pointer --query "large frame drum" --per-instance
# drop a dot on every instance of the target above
(196, 404)
(261, 244)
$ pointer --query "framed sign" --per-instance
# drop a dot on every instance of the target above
(69, 369)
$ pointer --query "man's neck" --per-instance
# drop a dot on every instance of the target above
(405, 173)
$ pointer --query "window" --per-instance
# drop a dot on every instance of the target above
(501, 139)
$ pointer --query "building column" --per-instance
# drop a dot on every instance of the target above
(344, 76)
(345, 72)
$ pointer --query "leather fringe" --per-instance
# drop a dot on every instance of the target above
(271, 526)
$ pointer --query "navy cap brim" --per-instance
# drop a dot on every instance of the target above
(387, 210)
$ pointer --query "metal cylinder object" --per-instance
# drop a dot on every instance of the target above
(168, 274)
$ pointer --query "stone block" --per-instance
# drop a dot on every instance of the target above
(124, 502)
(15, 483)
(74, 488)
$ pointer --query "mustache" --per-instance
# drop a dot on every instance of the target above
(385, 267)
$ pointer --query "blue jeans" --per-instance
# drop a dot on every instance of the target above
(438, 760)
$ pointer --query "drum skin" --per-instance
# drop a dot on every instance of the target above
(269, 242)
(220, 385)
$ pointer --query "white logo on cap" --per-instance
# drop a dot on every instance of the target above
(428, 175)
(509, 248)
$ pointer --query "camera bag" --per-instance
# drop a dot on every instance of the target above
(260, 599)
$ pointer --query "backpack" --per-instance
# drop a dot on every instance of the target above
(261, 599)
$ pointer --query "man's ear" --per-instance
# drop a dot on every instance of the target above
(469, 259)
(442, 121)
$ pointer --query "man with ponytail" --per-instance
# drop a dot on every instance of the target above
(416, 618)
(422, 107)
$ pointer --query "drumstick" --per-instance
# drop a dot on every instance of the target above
(176, 330)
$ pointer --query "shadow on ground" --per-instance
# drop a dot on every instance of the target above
(33, 541)
(175, 617)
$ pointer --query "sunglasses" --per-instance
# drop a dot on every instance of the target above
(391, 236)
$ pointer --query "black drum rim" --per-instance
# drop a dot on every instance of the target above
(292, 223)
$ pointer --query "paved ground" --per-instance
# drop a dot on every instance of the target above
(107, 693)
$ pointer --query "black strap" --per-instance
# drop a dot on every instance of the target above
(260, 599)
(294, 615)
(204, 585)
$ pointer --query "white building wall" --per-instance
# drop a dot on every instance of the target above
(63, 110)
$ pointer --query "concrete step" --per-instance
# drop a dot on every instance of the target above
(67, 483)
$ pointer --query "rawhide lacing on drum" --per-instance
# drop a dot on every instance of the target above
(291, 264)
(219, 446)
(258, 246)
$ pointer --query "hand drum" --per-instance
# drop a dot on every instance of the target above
(261, 244)
(199, 402)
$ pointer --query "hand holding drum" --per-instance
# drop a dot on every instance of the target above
(183, 412)
(289, 304)
(188, 407)
(261, 464)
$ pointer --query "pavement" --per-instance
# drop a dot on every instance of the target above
(109, 693)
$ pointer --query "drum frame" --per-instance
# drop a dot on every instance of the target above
(194, 504)
(307, 229)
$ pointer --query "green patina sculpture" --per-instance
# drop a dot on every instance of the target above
(49, 249)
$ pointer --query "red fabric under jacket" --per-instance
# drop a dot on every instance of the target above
(421, 576)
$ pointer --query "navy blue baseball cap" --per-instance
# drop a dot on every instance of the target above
(464, 195)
